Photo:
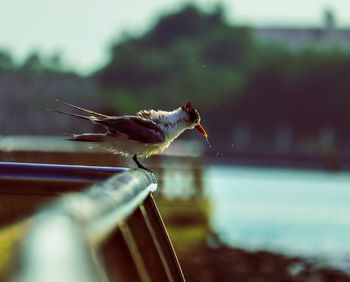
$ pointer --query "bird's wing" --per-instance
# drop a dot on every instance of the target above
(136, 128)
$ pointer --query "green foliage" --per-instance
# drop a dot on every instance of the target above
(6, 61)
(197, 56)
(192, 55)
(34, 65)
(307, 90)
(189, 55)
(189, 23)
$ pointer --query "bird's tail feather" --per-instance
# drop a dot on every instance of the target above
(73, 115)
(88, 137)
(91, 113)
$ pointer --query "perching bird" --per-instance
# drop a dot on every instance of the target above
(138, 136)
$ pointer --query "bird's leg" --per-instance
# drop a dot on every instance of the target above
(134, 157)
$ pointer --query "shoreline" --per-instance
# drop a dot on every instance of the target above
(223, 263)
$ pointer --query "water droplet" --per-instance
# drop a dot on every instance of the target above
(218, 154)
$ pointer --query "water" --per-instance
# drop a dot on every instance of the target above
(297, 213)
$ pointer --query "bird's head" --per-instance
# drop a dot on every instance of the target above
(193, 118)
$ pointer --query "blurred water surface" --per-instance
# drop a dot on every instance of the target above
(294, 212)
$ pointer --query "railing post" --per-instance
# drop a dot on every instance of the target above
(163, 238)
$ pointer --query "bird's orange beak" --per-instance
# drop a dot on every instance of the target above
(201, 130)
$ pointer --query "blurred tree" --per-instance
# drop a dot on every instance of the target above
(186, 24)
(55, 63)
(321, 85)
(32, 64)
(222, 68)
(6, 61)
(197, 56)
(188, 55)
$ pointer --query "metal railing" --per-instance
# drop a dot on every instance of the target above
(39, 172)
(111, 231)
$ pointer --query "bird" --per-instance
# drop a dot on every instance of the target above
(141, 135)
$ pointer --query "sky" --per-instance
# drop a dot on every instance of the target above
(82, 30)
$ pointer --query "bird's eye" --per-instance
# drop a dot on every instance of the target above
(196, 121)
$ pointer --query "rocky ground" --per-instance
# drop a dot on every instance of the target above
(205, 264)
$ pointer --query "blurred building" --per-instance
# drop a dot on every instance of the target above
(297, 37)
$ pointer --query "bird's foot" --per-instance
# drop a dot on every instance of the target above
(139, 165)
(145, 168)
